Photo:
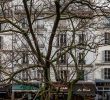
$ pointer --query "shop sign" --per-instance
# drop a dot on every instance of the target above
(84, 89)
(24, 87)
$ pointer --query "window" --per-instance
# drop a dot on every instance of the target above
(25, 58)
(34, 74)
(100, 88)
(107, 38)
(62, 24)
(40, 23)
(61, 40)
(41, 40)
(0, 26)
(81, 58)
(24, 23)
(106, 56)
(81, 74)
(61, 58)
(1, 42)
(107, 22)
(81, 38)
(37, 74)
(0, 76)
(0, 59)
(25, 75)
(106, 73)
(63, 74)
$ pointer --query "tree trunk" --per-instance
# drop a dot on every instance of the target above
(71, 88)
(46, 83)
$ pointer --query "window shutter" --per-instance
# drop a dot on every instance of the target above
(61, 39)
(1, 42)
(65, 36)
(105, 35)
(0, 27)
(34, 74)
(40, 23)
(108, 38)
(102, 73)
(0, 58)
(103, 56)
(20, 75)
(58, 40)
(58, 58)
(85, 74)
(65, 60)
(81, 38)
(25, 58)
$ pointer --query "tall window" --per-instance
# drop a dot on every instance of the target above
(0, 26)
(61, 40)
(0, 59)
(81, 38)
(63, 74)
(61, 58)
(34, 71)
(24, 23)
(37, 74)
(25, 58)
(106, 54)
(107, 22)
(81, 73)
(62, 24)
(81, 59)
(40, 23)
(25, 75)
(107, 38)
(1, 42)
(106, 73)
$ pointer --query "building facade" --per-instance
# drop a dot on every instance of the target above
(81, 51)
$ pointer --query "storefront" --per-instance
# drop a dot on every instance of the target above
(84, 91)
(103, 89)
(24, 91)
(59, 92)
(5, 91)
(81, 91)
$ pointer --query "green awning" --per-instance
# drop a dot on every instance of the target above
(22, 87)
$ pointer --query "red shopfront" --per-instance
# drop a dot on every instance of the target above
(81, 91)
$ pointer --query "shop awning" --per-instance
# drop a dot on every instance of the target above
(84, 89)
(25, 87)
(4, 88)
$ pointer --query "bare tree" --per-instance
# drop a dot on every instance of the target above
(64, 30)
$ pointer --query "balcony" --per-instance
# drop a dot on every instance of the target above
(1, 1)
(7, 13)
(19, 9)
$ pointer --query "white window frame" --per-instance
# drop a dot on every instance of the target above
(61, 59)
(106, 73)
(82, 38)
(107, 38)
(61, 40)
(62, 74)
(106, 56)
